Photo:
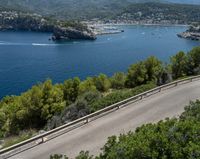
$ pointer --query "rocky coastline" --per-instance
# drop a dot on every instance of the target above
(193, 33)
(69, 33)
(61, 30)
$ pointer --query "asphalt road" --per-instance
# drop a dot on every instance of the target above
(93, 136)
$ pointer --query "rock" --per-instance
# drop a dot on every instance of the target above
(189, 35)
(41, 132)
(71, 33)
(193, 33)
(61, 30)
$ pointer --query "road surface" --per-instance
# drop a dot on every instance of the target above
(93, 136)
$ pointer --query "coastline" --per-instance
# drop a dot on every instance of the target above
(99, 28)
(136, 24)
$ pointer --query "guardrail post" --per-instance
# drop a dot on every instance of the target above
(87, 120)
(141, 97)
(44, 139)
(176, 84)
(160, 89)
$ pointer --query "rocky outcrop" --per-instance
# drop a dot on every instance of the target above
(193, 33)
(11, 20)
(67, 33)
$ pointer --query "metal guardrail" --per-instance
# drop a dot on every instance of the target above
(39, 139)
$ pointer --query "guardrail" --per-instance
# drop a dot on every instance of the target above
(39, 139)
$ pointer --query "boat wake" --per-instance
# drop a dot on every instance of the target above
(38, 44)
(26, 44)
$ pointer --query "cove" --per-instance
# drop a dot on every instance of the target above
(27, 58)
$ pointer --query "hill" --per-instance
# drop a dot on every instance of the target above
(185, 1)
(72, 8)
(103, 9)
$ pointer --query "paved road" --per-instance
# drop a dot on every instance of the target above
(93, 135)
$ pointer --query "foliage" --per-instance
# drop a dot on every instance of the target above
(137, 75)
(118, 80)
(192, 111)
(32, 109)
(16, 139)
(102, 83)
(179, 64)
(87, 85)
(71, 90)
(118, 96)
(194, 61)
(144, 71)
(154, 68)
(56, 156)
(186, 64)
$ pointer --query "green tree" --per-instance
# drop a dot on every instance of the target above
(137, 75)
(71, 89)
(102, 83)
(118, 80)
(179, 65)
(154, 69)
(86, 86)
(194, 61)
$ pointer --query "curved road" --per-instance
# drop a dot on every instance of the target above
(92, 136)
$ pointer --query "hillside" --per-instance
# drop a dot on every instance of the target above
(159, 13)
(14, 20)
(185, 1)
(79, 9)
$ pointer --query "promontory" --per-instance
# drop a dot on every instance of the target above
(62, 30)
(193, 33)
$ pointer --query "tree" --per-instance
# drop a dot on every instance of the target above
(91, 96)
(194, 61)
(137, 75)
(178, 65)
(54, 103)
(154, 68)
(118, 80)
(71, 90)
(102, 83)
(86, 86)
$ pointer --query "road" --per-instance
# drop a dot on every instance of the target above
(93, 136)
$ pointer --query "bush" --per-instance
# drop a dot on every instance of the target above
(102, 83)
(137, 75)
(119, 96)
(118, 80)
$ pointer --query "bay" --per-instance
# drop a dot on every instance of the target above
(27, 58)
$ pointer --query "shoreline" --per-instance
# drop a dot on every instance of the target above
(114, 28)
(135, 24)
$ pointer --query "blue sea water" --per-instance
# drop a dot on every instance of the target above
(27, 58)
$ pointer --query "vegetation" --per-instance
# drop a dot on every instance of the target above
(121, 10)
(16, 139)
(172, 138)
(46, 106)
(161, 13)
(21, 20)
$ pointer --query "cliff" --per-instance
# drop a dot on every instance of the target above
(193, 33)
(67, 33)
(11, 20)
